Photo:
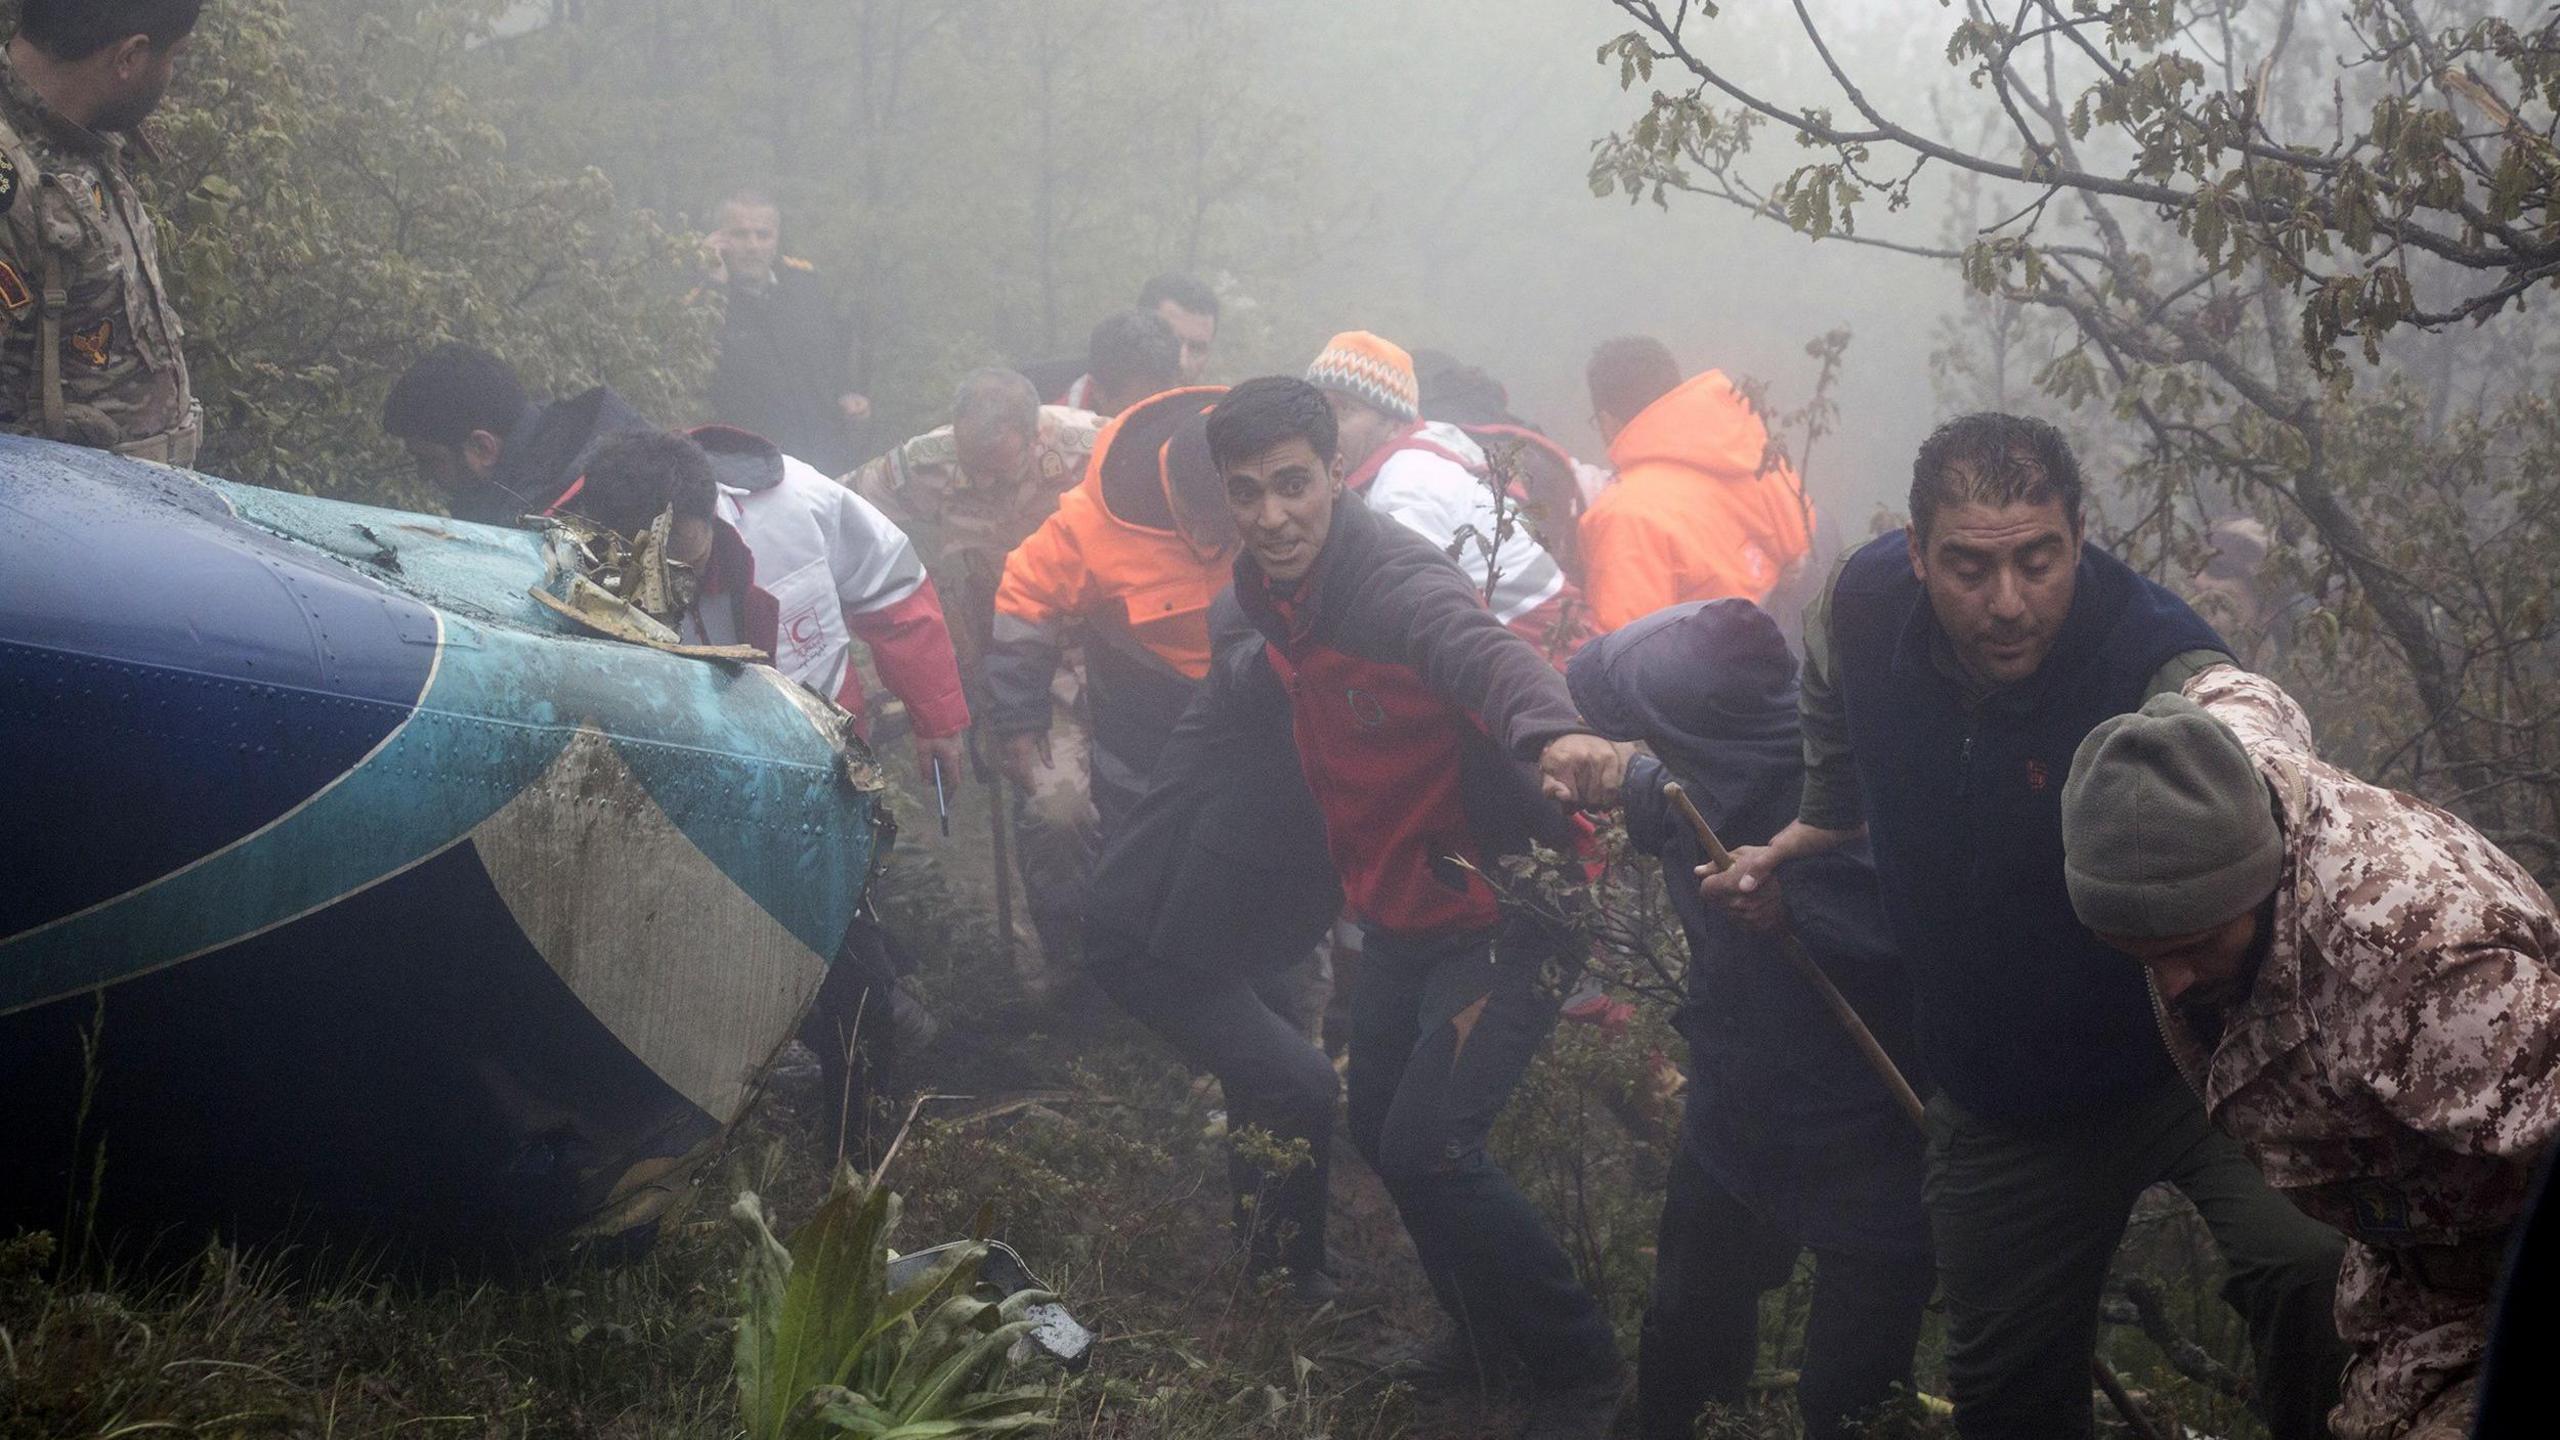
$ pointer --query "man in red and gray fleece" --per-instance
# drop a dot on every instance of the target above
(1435, 740)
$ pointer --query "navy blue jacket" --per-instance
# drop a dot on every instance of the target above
(1783, 1111)
(2023, 1014)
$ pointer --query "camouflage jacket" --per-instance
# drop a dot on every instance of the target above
(2394, 1067)
(71, 218)
(966, 528)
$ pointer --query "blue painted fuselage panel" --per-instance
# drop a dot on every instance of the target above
(170, 681)
(405, 1069)
(246, 741)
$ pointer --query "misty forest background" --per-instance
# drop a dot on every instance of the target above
(2286, 260)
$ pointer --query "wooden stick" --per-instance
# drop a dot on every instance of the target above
(1797, 956)
(1881, 1063)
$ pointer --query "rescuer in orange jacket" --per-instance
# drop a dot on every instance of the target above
(1696, 513)
(1131, 558)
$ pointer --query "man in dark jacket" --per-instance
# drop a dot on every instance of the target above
(1416, 715)
(1212, 892)
(1951, 672)
(477, 437)
(1790, 1142)
(786, 367)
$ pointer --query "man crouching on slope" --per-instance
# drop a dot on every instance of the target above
(1413, 711)
(2365, 991)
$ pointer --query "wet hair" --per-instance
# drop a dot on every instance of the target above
(1629, 373)
(1270, 411)
(1182, 290)
(1135, 352)
(632, 476)
(995, 396)
(453, 390)
(1988, 458)
(78, 29)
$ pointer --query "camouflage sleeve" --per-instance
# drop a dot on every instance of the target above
(2267, 720)
(2467, 1050)
(890, 483)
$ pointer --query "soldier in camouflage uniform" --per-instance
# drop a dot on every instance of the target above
(2366, 993)
(968, 493)
(91, 351)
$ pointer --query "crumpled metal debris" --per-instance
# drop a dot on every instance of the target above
(624, 590)
(1054, 1332)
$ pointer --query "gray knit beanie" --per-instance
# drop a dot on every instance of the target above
(2166, 827)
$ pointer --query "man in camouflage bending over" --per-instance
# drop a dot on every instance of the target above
(90, 348)
(2363, 990)
(968, 493)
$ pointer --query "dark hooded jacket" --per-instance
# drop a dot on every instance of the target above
(1222, 867)
(545, 454)
(1783, 1111)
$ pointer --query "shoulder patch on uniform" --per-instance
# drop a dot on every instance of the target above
(15, 297)
(8, 183)
(794, 262)
(91, 345)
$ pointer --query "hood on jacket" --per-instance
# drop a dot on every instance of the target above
(1704, 425)
(1711, 686)
(1152, 465)
(740, 459)
(546, 453)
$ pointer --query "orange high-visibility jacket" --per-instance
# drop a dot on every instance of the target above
(1692, 516)
(1112, 562)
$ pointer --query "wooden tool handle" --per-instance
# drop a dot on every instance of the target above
(1805, 965)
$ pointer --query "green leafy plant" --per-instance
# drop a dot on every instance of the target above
(826, 1345)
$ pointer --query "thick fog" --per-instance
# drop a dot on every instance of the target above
(1457, 141)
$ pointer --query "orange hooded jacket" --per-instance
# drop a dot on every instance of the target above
(1691, 516)
(1114, 564)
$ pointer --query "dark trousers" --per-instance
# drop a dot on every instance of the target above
(1701, 1341)
(2027, 1217)
(848, 1028)
(1442, 1028)
(1240, 1030)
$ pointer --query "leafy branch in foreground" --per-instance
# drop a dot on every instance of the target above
(2207, 200)
(826, 1345)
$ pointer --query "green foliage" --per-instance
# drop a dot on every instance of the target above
(336, 201)
(2251, 201)
(826, 1346)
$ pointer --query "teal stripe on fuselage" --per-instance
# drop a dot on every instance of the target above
(740, 767)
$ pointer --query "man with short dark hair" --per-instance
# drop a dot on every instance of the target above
(786, 367)
(970, 492)
(1435, 741)
(1131, 355)
(1700, 510)
(91, 350)
(475, 435)
(1191, 308)
(2366, 992)
(1951, 670)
